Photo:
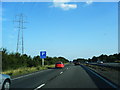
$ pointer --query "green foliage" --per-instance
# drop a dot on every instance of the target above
(79, 60)
(11, 61)
(106, 58)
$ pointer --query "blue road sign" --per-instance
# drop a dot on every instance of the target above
(43, 54)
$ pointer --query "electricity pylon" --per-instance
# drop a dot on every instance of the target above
(20, 40)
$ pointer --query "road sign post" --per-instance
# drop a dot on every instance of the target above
(42, 56)
(42, 61)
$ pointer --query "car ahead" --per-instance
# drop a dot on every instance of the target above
(5, 82)
(77, 63)
(59, 64)
(86, 62)
(100, 62)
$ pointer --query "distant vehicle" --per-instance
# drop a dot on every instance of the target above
(100, 62)
(86, 62)
(59, 64)
(5, 82)
(77, 63)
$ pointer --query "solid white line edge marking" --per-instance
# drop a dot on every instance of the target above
(104, 79)
(26, 75)
(39, 86)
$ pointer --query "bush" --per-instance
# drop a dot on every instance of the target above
(16, 60)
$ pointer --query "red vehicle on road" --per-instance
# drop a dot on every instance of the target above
(59, 65)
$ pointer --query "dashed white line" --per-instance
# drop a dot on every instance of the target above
(61, 72)
(67, 68)
(39, 87)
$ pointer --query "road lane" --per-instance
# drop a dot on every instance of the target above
(73, 77)
(70, 76)
(34, 80)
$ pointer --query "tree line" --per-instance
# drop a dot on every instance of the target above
(17, 60)
(104, 58)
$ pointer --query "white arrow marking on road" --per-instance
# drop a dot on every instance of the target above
(39, 86)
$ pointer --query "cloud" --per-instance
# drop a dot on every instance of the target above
(63, 4)
(66, 6)
(89, 2)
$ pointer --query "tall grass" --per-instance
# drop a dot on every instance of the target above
(26, 70)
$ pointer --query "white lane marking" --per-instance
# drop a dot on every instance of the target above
(61, 72)
(26, 75)
(67, 68)
(39, 87)
(103, 79)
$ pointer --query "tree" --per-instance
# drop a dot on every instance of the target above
(94, 59)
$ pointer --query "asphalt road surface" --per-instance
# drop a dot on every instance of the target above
(70, 76)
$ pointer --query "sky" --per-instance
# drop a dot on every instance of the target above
(71, 30)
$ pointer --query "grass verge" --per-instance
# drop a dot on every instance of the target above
(26, 70)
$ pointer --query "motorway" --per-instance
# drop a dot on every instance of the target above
(70, 76)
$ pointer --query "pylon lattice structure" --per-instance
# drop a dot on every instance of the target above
(20, 40)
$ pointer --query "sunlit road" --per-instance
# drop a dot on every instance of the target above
(69, 77)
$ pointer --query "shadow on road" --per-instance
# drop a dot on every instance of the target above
(53, 68)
